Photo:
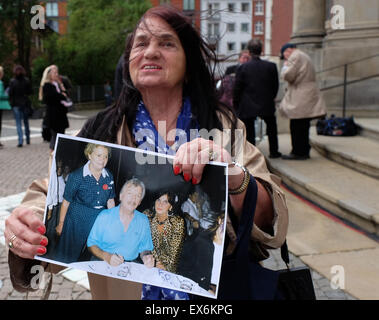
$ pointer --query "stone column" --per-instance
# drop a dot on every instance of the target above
(359, 39)
(308, 23)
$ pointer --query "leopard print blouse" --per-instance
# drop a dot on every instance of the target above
(168, 241)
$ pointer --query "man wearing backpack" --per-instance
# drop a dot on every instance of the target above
(255, 89)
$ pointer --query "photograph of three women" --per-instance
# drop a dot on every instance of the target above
(107, 207)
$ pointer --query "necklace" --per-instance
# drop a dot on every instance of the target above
(161, 223)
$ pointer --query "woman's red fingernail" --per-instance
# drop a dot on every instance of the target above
(176, 170)
(186, 177)
(194, 181)
(43, 242)
(41, 250)
(41, 230)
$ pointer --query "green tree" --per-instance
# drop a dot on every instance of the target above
(16, 30)
(97, 30)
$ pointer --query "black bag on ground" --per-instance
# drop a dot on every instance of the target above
(335, 126)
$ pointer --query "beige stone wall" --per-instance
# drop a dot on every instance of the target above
(329, 47)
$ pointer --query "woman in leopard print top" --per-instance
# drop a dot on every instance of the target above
(168, 232)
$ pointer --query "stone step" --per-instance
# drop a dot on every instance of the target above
(358, 153)
(369, 127)
(347, 193)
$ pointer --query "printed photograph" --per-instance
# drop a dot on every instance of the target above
(123, 213)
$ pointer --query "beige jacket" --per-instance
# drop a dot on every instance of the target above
(110, 288)
(303, 98)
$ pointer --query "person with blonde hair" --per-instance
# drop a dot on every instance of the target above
(54, 95)
(4, 104)
(88, 191)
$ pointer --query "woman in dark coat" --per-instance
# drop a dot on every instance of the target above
(55, 97)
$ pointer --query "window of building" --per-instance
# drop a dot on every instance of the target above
(259, 8)
(258, 27)
(52, 9)
(213, 29)
(188, 4)
(243, 46)
(53, 24)
(244, 27)
(164, 1)
(231, 27)
(245, 7)
(213, 7)
(231, 46)
(231, 7)
(214, 10)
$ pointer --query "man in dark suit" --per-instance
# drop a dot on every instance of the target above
(254, 95)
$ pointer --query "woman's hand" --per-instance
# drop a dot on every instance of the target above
(148, 260)
(192, 157)
(160, 265)
(24, 233)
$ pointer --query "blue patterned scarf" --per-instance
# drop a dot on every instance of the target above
(148, 138)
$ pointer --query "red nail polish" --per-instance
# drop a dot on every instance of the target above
(194, 181)
(186, 177)
(41, 230)
(43, 242)
(176, 170)
(41, 250)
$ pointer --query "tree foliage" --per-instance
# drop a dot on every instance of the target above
(97, 30)
(15, 30)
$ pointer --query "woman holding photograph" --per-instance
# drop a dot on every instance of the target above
(88, 191)
(168, 77)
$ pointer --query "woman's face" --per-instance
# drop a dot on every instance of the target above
(99, 158)
(157, 58)
(162, 205)
(54, 74)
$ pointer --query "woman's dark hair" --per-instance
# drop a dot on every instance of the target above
(19, 71)
(199, 84)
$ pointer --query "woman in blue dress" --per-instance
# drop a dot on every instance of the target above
(88, 191)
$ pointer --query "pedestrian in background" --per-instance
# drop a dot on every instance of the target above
(108, 93)
(254, 95)
(302, 101)
(243, 57)
(19, 90)
(53, 93)
(4, 104)
(226, 84)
